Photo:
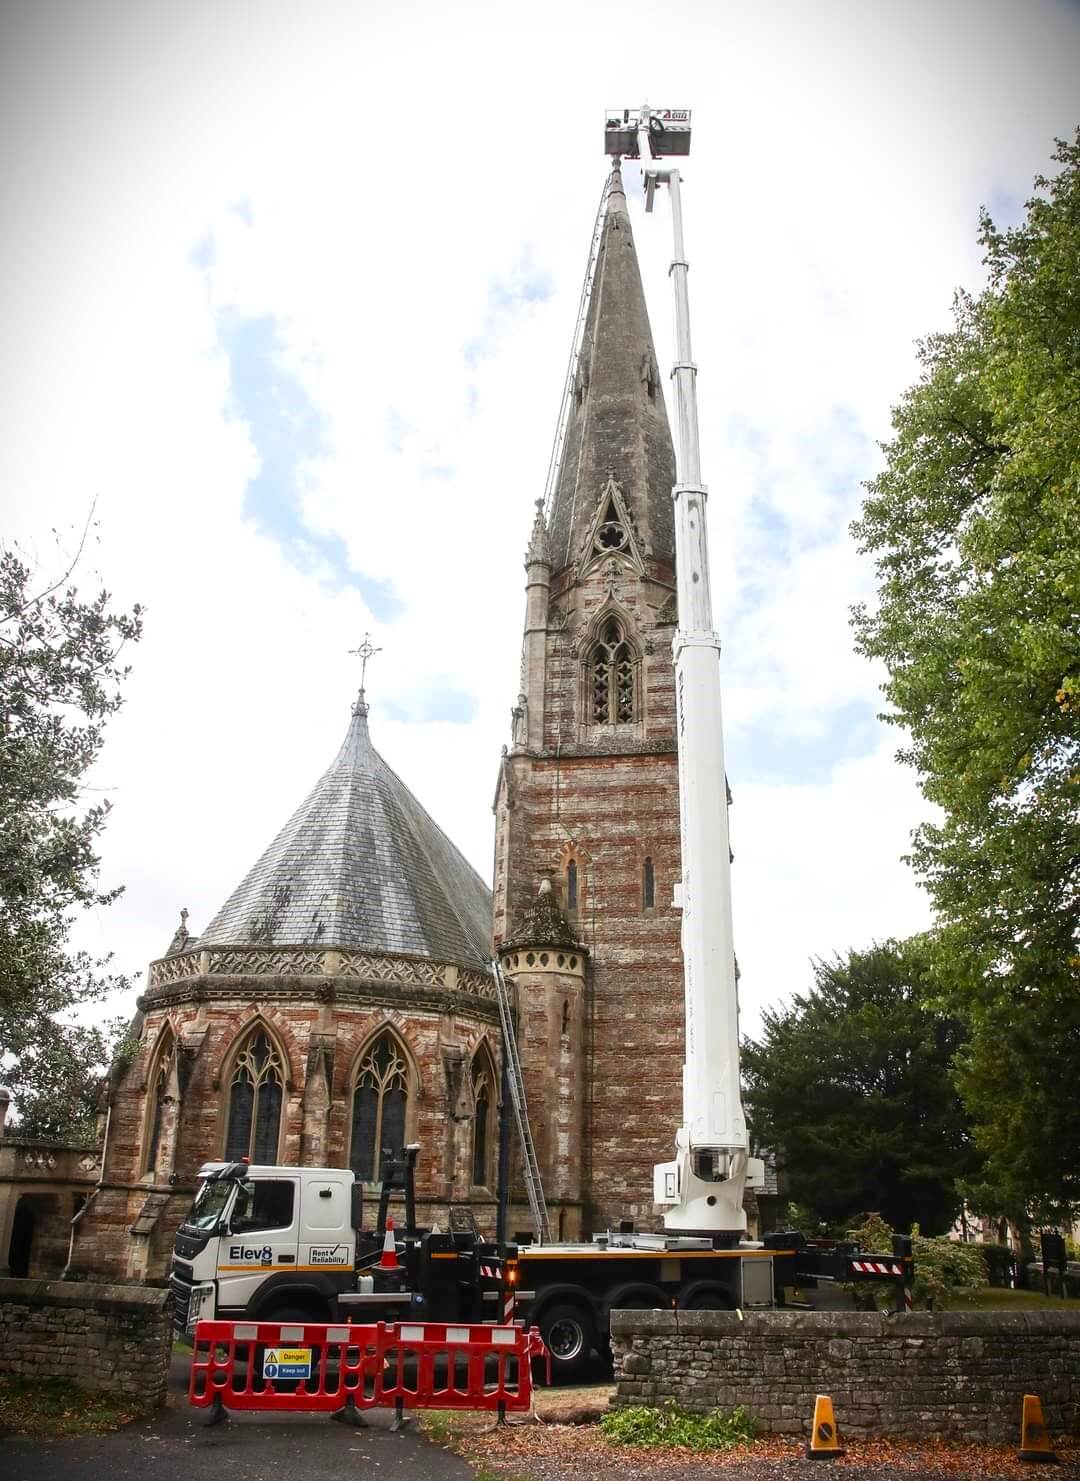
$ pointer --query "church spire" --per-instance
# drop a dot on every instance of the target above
(618, 425)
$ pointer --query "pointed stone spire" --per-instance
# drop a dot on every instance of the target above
(539, 546)
(542, 922)
(618, 426)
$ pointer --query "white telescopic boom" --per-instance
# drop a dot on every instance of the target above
(702, 1190)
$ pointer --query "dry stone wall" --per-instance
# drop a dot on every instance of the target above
(958, 1375)
(114, 1339)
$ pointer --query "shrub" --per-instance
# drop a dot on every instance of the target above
(672, 1427)
(943, 1267)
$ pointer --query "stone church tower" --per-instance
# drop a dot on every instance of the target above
(587, 806)
(340, 1002)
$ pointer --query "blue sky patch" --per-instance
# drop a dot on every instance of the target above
(439, 700)
(506, 299)
(769, 753)
(290, 435)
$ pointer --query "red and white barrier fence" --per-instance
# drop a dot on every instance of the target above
(293, 1367)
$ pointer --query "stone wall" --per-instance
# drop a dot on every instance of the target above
(959, 1375)
(109, 1338)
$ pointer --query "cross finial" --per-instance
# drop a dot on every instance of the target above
(365, 651)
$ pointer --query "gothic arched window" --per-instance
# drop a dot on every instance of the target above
(611, 677)
(648, 885)
(483, 1120)
(157, 1091)
(255, 1096)
(380, 1103)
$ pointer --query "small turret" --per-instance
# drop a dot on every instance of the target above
(547, 968)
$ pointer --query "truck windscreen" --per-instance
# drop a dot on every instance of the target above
(210, 1203)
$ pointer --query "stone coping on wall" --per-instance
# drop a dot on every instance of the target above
(845, 1323)
(79, 1293)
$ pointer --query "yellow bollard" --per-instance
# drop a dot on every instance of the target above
(824, 1442)
(1034, 1436)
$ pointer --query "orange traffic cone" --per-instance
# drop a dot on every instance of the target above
(388, 1260)
(1034, 1436)
(824, 1442)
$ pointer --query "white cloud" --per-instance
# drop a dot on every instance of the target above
(367, 177)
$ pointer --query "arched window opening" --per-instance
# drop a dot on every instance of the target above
(566, 1016)
(611, 670)
(611, 532)
(648, 885)
(380, 1102)
(571, 885)
(158, 1090)
(483, 1081)
(255, 1096)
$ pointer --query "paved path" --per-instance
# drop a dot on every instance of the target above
(173, 1446)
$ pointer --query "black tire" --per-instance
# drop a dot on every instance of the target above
(569, 1333)
(707, 1298)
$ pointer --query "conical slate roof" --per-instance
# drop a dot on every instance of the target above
(360, 864)
(619, 424)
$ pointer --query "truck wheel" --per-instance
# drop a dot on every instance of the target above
(707, 1298)
(569, 1332)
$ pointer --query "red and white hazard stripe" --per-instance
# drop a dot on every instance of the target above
(877, 1267)
(490, 1272)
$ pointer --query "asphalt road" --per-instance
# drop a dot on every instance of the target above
(174, 1446)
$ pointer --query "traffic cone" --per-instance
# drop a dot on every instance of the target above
(824, 1442)
(1034, 1436)
(388, 1260)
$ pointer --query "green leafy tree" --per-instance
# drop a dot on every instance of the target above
(60, 679)
(851, 1084)
(974, 525)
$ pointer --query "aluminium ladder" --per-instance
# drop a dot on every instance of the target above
(530, 1167)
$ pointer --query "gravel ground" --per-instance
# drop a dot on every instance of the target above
(552, 1451)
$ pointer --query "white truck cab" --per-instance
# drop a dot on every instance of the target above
(274, 1242)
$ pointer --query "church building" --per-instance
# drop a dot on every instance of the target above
(342, 999)
(587, 806)
(340, 1002)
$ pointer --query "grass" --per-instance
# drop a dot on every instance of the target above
(675, 1428)
(1000, 1298)
(59, 1408)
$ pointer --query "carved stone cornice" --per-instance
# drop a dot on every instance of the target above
(284, 974)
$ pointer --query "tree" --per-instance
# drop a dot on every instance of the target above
(59, 681)
(974, 525)
(851, 1085)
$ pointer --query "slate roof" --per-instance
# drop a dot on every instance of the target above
(360, 864)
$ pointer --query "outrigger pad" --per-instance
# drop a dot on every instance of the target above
(350, 1415)
(216, 1414)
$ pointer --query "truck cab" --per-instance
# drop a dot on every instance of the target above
(273, 1242)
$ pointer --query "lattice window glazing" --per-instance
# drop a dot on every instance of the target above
(255, 1097)
(611, 678)
(380, 1103)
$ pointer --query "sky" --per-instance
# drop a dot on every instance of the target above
(287, 298)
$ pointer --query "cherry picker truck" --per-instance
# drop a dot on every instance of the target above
(286, 1243)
